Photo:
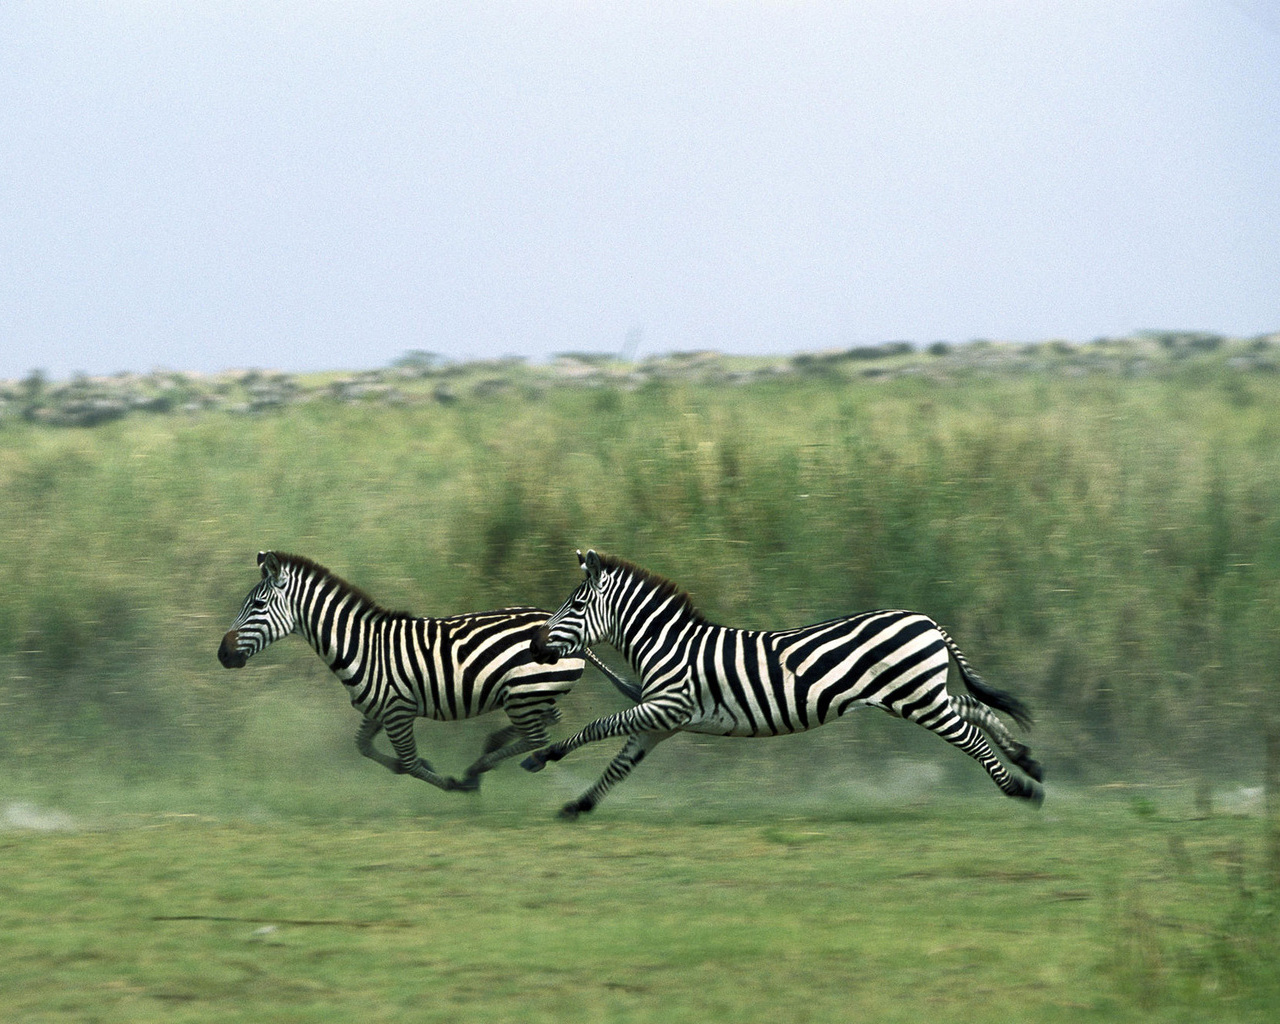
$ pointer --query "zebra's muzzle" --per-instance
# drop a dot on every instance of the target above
(541, 648)
(227, 653)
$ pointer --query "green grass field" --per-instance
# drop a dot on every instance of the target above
(1102, 907)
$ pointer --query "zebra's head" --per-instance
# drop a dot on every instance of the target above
(581, 621)
(267, 614)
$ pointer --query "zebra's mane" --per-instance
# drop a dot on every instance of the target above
(316, 569)
(663, 586)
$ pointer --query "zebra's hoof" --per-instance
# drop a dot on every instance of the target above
(466, 784)
(570, 812)
(535, 762)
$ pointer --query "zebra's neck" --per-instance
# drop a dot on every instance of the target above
(652, 626)
(336, 620)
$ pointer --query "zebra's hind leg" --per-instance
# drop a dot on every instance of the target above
(529, 733)
(499, 739)
(966, 737)
(619, 768)
(976, 713)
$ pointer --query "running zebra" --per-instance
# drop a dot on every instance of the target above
(398, 668)
(699, 677)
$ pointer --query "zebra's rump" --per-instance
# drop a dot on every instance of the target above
(892, 660)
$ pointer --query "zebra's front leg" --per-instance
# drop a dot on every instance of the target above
(659, 715)
(400, 732)
(619, 768)
(369, 729)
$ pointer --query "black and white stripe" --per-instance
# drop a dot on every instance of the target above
(699, 677)
(398, 667)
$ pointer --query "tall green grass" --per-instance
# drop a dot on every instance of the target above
(1106, 547)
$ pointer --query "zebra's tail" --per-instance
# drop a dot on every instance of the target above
(984, 691)
(628, 690)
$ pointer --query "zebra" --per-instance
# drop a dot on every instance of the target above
(703, 678)
(397, 667)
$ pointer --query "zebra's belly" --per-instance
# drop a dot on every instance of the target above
(401, 701)
(773, 721)
(723, 722)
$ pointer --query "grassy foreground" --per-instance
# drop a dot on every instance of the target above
(1096, 909)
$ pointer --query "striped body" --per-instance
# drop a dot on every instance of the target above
(398, 667)
(700, 677)
(757, 683)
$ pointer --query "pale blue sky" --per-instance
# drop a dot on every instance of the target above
(316, 185)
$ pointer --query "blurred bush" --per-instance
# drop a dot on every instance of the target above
(1106, 545)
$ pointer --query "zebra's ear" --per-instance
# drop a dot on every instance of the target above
(591, 565)
(582, 562)
(270, 563)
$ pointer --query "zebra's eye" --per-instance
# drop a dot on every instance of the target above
(258, 604)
